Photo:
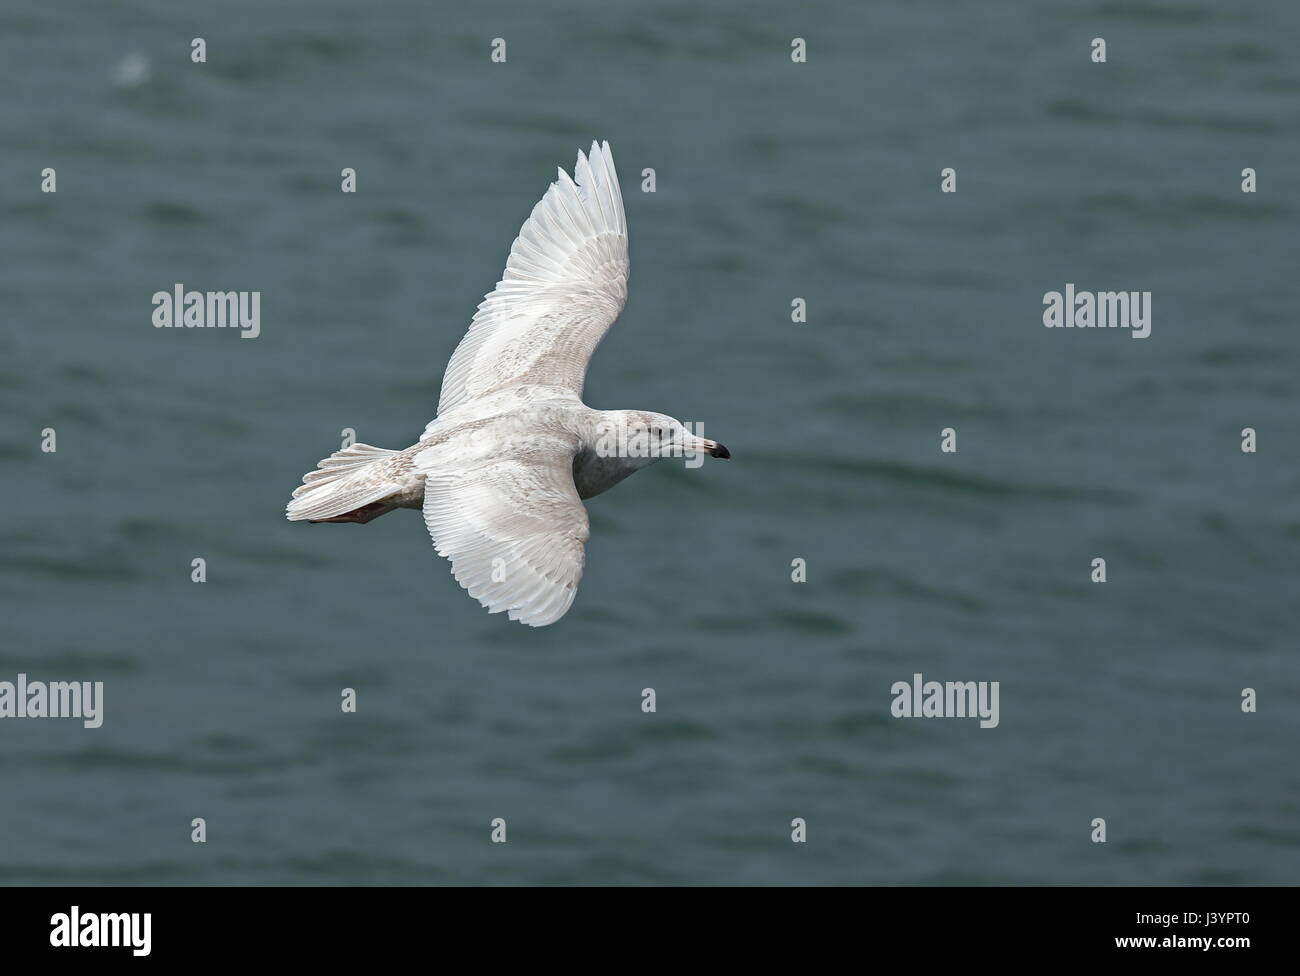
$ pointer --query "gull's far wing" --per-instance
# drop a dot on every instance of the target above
(511, 524)
(564, 285)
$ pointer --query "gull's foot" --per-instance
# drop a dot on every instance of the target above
(362, 515)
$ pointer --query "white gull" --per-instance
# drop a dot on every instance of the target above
(501, 472)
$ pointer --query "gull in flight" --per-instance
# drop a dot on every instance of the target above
(501, 472)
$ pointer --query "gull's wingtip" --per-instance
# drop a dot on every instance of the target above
(599, 148)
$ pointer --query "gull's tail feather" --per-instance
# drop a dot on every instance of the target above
(344, 481)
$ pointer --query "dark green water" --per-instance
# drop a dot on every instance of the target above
(774, 181)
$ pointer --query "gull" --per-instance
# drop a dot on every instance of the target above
(501, 472)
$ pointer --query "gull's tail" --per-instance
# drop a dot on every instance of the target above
(343, 482)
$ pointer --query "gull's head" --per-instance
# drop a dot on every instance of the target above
(644, 436)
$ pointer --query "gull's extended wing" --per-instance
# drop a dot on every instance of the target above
(564, 285)
(510, 522)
